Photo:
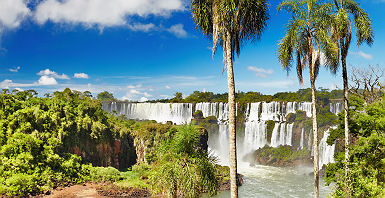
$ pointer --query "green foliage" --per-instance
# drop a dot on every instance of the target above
(106, 96)
(105, 174)
(366, 161)
(198, 114)
(182, 168)
(323, 97)
(39, 138)
(269, 129)
(282, 153)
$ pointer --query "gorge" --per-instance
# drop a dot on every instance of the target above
(252, 134)
(260, 124)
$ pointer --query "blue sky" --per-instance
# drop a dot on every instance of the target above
(144, 49)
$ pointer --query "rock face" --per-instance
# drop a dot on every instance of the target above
(118, 153)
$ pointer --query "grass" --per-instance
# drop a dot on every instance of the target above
(132, 179)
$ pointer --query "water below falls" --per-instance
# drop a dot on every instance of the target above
(273, 182)
(259, 181)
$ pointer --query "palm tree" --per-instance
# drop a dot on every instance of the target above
(230, 23)
(307, 37)
(348, 12)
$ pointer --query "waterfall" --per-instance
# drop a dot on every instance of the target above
(306, 107)
(255, 136)
(282, 134)
(336, 108)
(326, 152)
(291, 107)
(302, 140)
(271, 111)
(219, 110)
(253, 109)
(178, 113)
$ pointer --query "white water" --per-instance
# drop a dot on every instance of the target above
(178, 113)
(273, 182)
(260, 181)
(336, 107)
(255, 137)
(326, 152)
(282, 134)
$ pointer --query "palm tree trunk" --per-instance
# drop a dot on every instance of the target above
(346, 107)
(315, 135)
(232, 111)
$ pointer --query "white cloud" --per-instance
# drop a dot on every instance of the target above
(81, 75)
(178, 30)
(260, 72)
(48, 72)
(167, 87)
(47, 80)
(143, 99)
(12, 13)
(101, 12)
(14, 69)
(142, 27)
(134, 91)
(5, 84)
(364, 55)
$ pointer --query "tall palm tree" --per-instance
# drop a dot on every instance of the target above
(307, 37)
(348, 12)
(231, 23)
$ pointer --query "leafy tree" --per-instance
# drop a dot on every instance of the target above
(106, 96)
(306, 36)
(230, 23)
(366, 159)
(347, 13)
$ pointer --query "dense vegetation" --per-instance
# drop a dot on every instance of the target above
(367, 152)
(323, 97)
(40, 136)
(56, 140)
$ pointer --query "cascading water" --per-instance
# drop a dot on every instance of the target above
(254, 136)
(178, 113)
(219, 110)
(256, 116)
(326, 152)
(282, 134)
(336, 108)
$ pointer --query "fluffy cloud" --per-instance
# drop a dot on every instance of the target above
(178, 30)
(143, 99)
(81, 75)
(12, 13)
(15, 69)
(114, 12)
(5, 84)
(46, 80)
(364, 55)
(260, 72)
(48, 72)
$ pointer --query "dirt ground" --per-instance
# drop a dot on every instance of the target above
(93, 190)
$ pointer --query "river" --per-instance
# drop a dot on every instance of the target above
(274, 182)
